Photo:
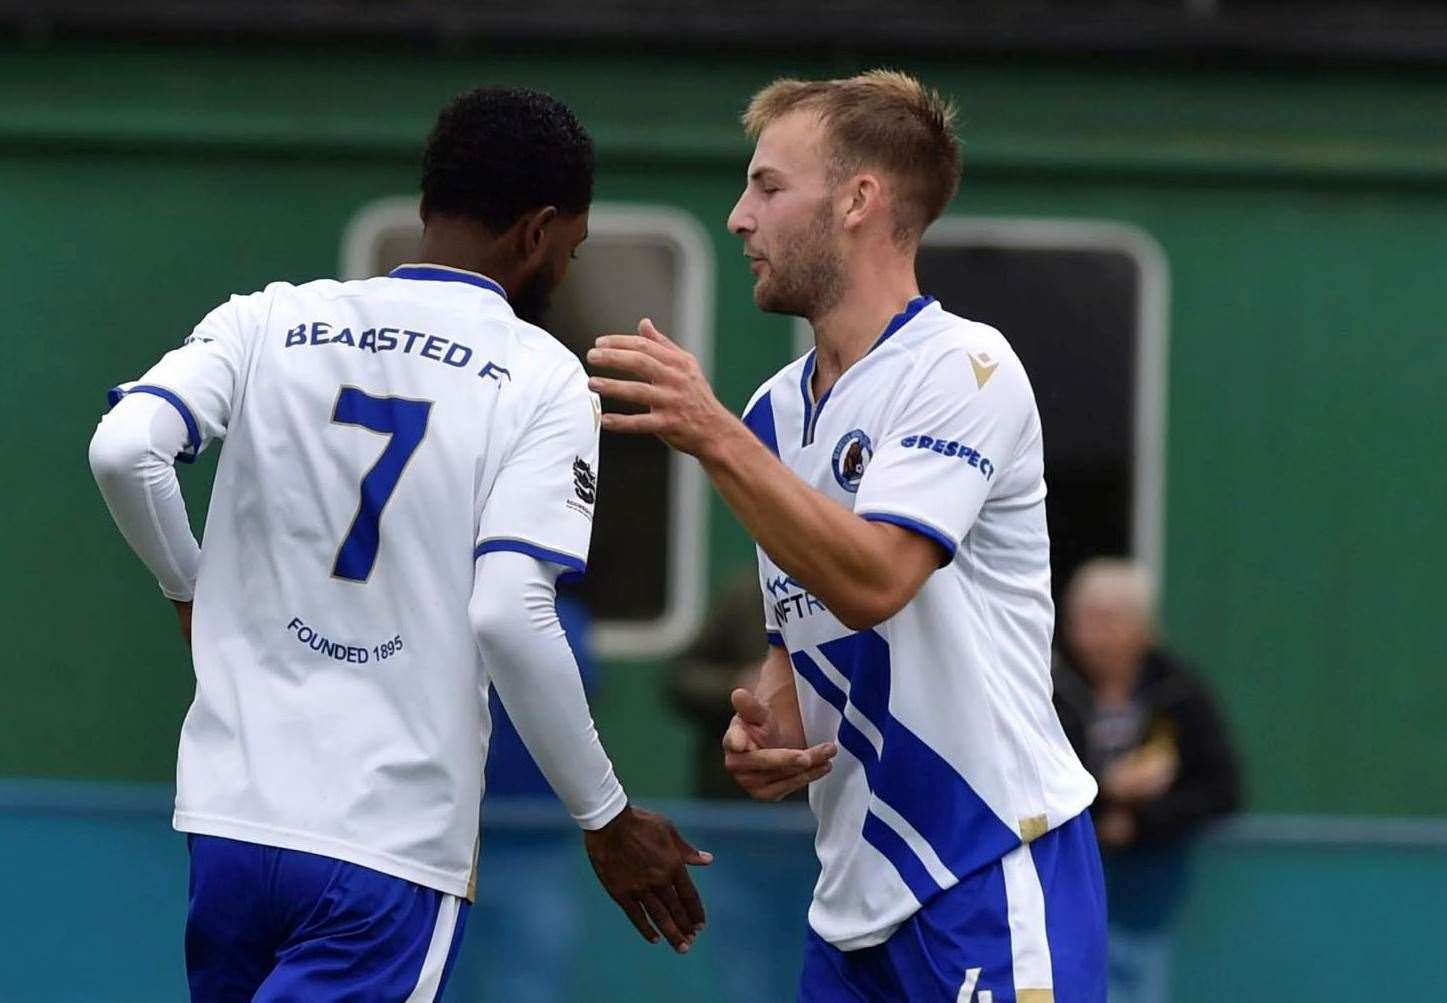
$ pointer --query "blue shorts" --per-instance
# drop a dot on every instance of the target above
(275, 925)
(1029, 928)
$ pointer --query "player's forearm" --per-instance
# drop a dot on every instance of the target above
(528, 658)
(842, 559)
(775, 690)
(132, 456)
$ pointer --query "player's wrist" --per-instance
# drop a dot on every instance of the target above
(726, 443)
(613, 812)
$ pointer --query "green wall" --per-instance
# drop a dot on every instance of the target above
(1303, 215)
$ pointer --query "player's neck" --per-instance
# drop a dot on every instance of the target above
(847, 332)
(455, 245)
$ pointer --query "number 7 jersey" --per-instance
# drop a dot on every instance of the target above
(381, 435)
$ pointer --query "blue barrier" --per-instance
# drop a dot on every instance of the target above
(93, 890)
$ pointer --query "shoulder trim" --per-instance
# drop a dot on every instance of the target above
(760, 420)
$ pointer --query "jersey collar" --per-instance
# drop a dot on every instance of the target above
(812, 410)
(902, 318)
(443, 273)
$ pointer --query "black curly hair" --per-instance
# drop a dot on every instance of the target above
(499, 152)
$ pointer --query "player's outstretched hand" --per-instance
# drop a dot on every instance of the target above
(758, 760)
(642, 862)
(682, 408)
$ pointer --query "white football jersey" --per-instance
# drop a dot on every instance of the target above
(951, 754)
(380, 435)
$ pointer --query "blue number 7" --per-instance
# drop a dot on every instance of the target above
(406, 422)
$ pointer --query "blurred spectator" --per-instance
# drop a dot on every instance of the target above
(1149, 731)
(724, 655)
(526, 935)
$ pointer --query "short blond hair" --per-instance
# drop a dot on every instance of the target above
(883, 119)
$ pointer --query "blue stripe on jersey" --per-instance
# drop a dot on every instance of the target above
(931, 795)
(922, 528)
(760, 421)
(879, 835)
(193, 430)
(908, 775)
(437, 273)
(863, 659)
(913, 779)
(849, 736)
(816, 678)
(532, 550)
(775, 638)
(894, 849)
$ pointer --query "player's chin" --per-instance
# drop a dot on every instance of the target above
(766, 296)
(769, 301)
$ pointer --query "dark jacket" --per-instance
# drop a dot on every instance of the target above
(1176, 708)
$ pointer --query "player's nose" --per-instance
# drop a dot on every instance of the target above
(740, 222)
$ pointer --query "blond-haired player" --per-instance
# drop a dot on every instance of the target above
(894, 482)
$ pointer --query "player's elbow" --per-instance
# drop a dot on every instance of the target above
(115, 453)
(497, 622)
(867, 608)
(510, 612)
(898, 564)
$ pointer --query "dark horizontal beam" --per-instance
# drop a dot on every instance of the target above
(1330, 32)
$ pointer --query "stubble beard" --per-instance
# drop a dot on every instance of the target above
(806, 272)
(532, 300)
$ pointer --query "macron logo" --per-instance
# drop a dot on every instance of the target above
(984, 368)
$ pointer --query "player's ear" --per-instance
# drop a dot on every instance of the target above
(865, 197)
(534, 231)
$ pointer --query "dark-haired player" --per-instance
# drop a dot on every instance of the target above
(409, 464)
(893, 478)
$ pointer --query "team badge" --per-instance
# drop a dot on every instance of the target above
(851, 456)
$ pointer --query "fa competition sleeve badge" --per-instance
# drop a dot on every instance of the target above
(585, 487)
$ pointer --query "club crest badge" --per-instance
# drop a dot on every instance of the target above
(851, 456)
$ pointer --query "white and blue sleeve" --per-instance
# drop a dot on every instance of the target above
(169, 414)
(946, 447)
(541, 503)
(202, 379)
